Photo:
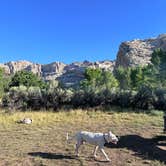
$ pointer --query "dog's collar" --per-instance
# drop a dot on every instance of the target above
(105, 139)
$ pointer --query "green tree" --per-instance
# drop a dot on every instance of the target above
(148, 76)
(108, 80)
(92, 79)
(123, 76)
(4, 82)
(136, 77)
(141, 76)
(1, 81)
(27, 79)
(159, 66)
(97, 80)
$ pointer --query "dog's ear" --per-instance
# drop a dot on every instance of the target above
(118, 137)
(109, 133)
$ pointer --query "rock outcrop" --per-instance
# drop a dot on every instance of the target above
(12, 67)
(35, 68)
(131, 53)
(17, 66)
(69, 75)
(138, 52)
(53, 70)
(6, 69)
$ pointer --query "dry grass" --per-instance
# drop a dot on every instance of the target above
(43, 142)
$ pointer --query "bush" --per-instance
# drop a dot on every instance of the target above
(16, 98)
(124, 98)
(144, 99)
(86, 99)
(34, 98)
(160, 99)
(56, 97)
(108, 96)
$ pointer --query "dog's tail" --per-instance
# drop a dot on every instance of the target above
(69, 139)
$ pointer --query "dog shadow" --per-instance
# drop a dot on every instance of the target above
(59, 156)
(51, 156)
(146, 148)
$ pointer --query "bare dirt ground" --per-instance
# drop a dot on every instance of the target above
(43, 143)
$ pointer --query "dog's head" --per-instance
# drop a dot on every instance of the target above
(112, 138)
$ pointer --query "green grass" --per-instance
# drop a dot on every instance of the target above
(43, 142)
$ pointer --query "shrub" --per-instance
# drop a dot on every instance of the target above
(56, 97)
(160, 99)
(144, 99)
(16, 98)
(86, 99)
(124, 98)
(34, 98)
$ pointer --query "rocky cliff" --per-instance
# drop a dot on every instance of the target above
(138, 52)
(68, 74)
(131, 53)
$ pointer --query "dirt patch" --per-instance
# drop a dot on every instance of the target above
(45, 145)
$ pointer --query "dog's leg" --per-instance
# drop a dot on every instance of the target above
(95, 152)
(78, 144)
(105, 155)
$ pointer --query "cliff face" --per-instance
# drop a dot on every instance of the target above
(131, 53)
(138, 52)
(52, 71)
(68, 74)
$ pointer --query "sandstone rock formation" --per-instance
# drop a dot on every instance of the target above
(138, 52)
(53, 70)
(131, 53)
(68, 74)
(34, 68)
(12, 67)
(17, 66)
(74, 72)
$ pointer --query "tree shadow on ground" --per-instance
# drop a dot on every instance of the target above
(145, 148)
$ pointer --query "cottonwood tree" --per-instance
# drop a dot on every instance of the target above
(123, 76)
(27, 79)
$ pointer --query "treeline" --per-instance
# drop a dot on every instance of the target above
(141, 87)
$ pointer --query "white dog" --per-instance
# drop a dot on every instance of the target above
(97, 139)
(25, 121)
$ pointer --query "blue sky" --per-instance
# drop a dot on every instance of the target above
(45, 31)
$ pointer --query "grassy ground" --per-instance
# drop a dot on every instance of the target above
(43, 142)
